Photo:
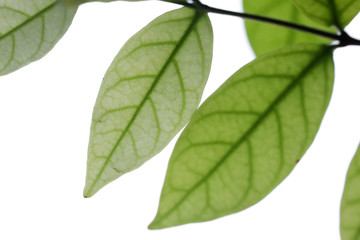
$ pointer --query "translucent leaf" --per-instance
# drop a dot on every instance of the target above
(248, 136)
(149, 93)
(350, 204)
(330, 12)
(30, 29)
(266, 37)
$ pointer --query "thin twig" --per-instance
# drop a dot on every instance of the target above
(343, 38)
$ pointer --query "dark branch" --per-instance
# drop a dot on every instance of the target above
(343, 38)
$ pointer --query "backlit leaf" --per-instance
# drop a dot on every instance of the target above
(330, 12)
(350, 204)
(30, 29)
(266, 37)
(248, 136)
(149, 93)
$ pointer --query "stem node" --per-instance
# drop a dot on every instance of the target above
(346, 40)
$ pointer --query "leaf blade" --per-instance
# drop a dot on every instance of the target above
(277, 36)
(29, 31)
(329, 12)
(222, 163)
(350, 205)
(167, 90)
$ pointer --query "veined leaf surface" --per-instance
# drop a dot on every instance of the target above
(148, 94)
(266, 37)
(350, 204)
(248, 136)
(329, 12)
(30, 29)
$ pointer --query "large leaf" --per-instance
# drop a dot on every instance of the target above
(265, 37)
(330, 12)
(149, 93)
(30, 29)
(350, 204)
(248, 136)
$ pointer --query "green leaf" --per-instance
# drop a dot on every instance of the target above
(265, 37)
(350, 204)
(30, 29)
(329, 12)
(248, 136)
(149, 93)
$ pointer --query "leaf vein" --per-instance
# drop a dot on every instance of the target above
(195, 19)
(29, 20)
(245, 136)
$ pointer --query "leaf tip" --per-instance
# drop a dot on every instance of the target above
(153, 225)
(88, 191)
(85, 196)
(159, 223)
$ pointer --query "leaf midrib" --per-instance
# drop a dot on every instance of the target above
(29, 20)
(335, 18)
(196, 18)
(261, 118)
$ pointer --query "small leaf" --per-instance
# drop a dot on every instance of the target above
(148, 94)
(350, 204)
(248, 136)
(30, 29)
(329, 12)
(265, 37)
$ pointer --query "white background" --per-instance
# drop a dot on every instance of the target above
(45, 115)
